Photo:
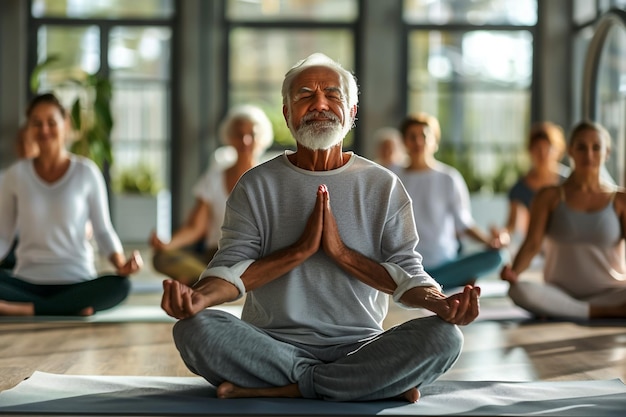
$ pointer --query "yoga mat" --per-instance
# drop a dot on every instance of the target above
(120, 314)
(46, 394)
(146, 286)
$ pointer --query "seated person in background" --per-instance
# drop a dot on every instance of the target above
(546, 146)
(248, 130)
(318, 272)
(26, 148)
(442, 211)
(390, 151)
(580, 224)
(49, 199)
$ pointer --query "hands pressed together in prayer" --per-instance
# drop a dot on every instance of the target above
(321, 229)
(321, 232)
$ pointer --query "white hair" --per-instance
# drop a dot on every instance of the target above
(263, 130)
(349, 86)
(387, 132)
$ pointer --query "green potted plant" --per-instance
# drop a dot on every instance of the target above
(90, 112)
(140, 204)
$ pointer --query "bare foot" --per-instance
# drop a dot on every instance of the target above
(599, 312)
(230, 390)
(14, 308)
(412, 395)
(87, 311)
(226, 390)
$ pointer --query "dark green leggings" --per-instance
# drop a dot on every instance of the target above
(66, 299)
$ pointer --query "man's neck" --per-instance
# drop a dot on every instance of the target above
(319, 160)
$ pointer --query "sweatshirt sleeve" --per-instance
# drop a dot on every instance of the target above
(404, 262)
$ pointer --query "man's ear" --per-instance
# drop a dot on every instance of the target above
(286, 114)
(353, 114)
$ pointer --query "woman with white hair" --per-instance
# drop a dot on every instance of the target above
(247, 129)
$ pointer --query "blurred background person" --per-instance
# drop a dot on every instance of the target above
(546, 147)
(581, 226)
(25, 148)
(49, 200)
(441, 206)
(246, 129)
(390, 151)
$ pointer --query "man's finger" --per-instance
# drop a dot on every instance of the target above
(165, 299)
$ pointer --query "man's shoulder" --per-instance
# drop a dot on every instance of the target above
(264, 169)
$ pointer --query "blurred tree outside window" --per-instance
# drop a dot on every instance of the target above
(476, 80)
(289, 10)
(136, 60)
(105, 9)
(259, 59)
(259, 54)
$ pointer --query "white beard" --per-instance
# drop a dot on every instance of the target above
(319, 135)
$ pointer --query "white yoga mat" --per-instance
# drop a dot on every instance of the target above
(45, 393)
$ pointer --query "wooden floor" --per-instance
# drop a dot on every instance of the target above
(510, 350)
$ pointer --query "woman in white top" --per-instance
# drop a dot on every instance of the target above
(442, 211)
(248, 130)
(49, 200)
(26, 148)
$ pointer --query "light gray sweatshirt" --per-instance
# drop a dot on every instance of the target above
(317, 302)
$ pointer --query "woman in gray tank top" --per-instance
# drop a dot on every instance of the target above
(582, 222)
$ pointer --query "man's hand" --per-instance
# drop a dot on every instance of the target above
(181, 301)
(310, 240)
(331, 240)
(461, 308)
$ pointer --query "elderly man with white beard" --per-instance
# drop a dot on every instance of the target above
(318, 273)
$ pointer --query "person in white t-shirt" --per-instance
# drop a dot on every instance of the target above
(49, 200)
(26, 148)
(247, 129)
(442, 211)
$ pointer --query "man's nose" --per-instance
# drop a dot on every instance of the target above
(320, 102)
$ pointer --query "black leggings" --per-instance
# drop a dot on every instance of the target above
(65, 299)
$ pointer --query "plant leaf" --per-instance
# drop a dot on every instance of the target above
(34, 76)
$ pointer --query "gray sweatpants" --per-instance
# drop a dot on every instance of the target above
(220, 347)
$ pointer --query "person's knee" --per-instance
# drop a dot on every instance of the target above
(521, 294)
(439, 348)
(444, 338)
(160, 261)
(502, 256)
(201, 329)
(125, 286)
(496, 258)
(450, 338)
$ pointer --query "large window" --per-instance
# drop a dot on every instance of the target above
(267, 37)
(481, 98)
(600, 79)
(128, 43)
